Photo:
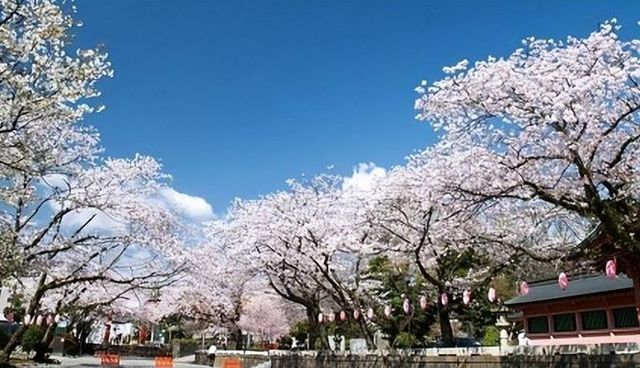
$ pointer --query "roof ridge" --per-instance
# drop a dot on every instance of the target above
(579, 276)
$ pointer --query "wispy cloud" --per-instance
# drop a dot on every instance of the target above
(192, 207)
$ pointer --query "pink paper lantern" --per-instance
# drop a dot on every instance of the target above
(444, 299)
(524, 288)
(331, 317)
(563, 281)
(57, 318)
(343, 316)
(406, 306)
(423, 302)
(50, 320)
(370, 313)
(466, 297)
(387, 311)
(610, 269)
(491, 295)
(39, 320)
(356, 314)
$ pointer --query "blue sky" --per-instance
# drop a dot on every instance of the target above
(234, 97)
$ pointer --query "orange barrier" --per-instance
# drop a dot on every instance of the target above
(232, 363)
(109, 360)
(163, 362)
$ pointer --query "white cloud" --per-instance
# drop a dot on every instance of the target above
(195, 208)
(364, 177)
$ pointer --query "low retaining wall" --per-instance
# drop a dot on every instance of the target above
(322, 360)
(133, 350)
(249, 358)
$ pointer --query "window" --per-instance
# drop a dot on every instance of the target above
(564, 322)
(594, 320)
(625, 317)
(538, 324)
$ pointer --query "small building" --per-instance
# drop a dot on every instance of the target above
(593, 309)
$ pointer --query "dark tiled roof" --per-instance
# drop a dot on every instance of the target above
(578, 286)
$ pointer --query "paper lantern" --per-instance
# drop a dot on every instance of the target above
(331, 317)
(370, 313)
(444, 299)
(466, 297)
(387, 311)
(524, 288)
(356, 314)
(406, 306)
(39, 320)
(49, 319)
(343, 316)
(320, 318)
(27, 319)
(491, 294)
(563, 281)
(57, 318)
(423, 302)
(610, 269)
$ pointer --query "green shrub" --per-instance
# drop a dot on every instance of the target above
(32, 339)
(491, 336)
(405, 340)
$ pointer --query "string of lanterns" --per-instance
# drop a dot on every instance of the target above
(406, 307)
(610, 270)
(41, 320)
(563, 283)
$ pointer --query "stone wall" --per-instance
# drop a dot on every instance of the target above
(322, 360)
(249, 358)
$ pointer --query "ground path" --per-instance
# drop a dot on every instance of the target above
(94, 362)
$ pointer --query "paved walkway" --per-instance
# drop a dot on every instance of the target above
(93, 362)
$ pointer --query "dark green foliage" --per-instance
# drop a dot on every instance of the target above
(491, 336)
(300, 331)
(175, 323)
(285, 342)
(405, 340)
(16, 306)
(396, 281)
(32, 339)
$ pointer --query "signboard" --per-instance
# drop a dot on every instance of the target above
(232, 363)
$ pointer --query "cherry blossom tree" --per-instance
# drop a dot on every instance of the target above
(413, 219)
(98, 227)
(272, 235)
(551, 131)
(264, 314)
(69, 218)
(45, 87)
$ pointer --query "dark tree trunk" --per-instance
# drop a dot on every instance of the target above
(238, 339)
(5, 354)
(48, 335)
(47, 339)
(315, 329)
(446, 330)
